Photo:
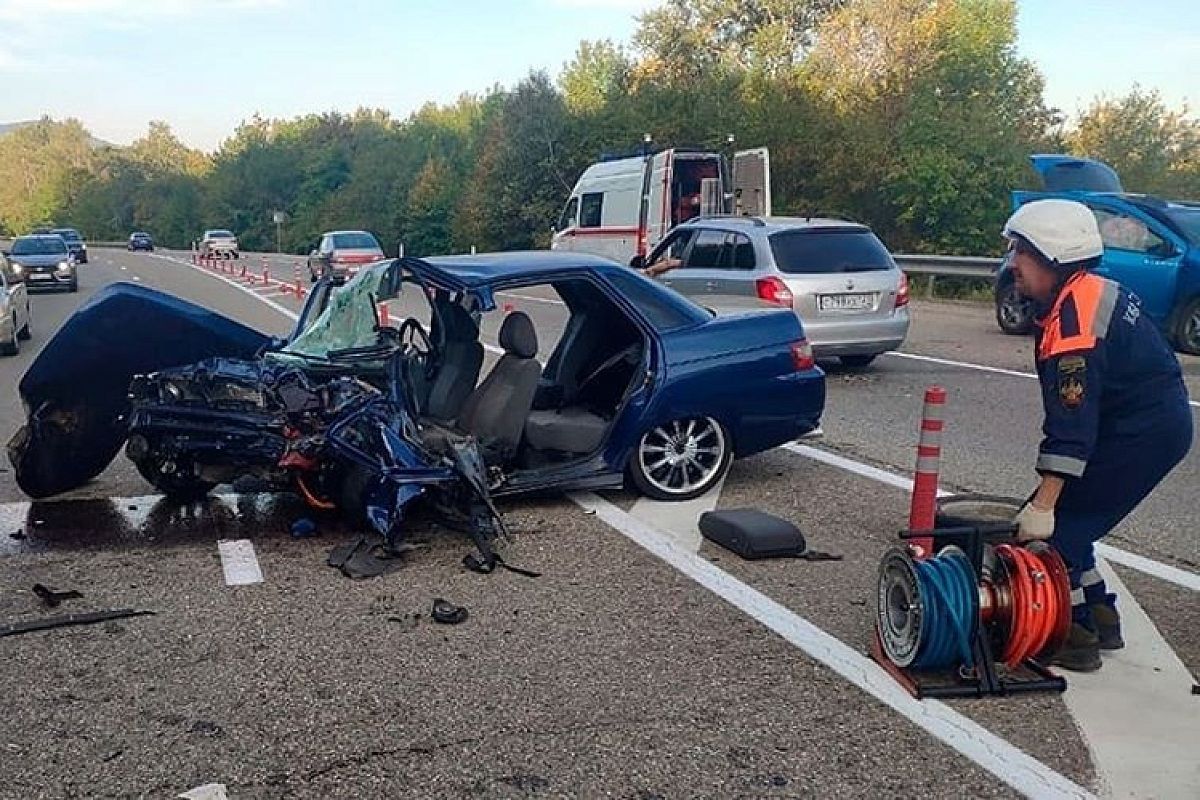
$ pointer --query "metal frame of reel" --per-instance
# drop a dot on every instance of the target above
(901, 615)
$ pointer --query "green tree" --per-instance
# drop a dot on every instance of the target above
(1154, 149)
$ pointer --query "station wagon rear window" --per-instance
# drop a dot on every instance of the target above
(355, 241)
(815, 252)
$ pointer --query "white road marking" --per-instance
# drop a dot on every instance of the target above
(981, 368)
(680, 521)
(1016, 768)
(1182, 577)
(1166, 572)
(239, 562)
(123, 269)
(287, 312)
(1134, 713)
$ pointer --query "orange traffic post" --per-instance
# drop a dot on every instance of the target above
(923, 509)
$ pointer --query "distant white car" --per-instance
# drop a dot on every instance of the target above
(14, 310)
(219, 242)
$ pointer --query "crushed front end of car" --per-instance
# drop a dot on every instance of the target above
(327, 416)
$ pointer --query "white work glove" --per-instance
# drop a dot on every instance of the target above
(1034, 524)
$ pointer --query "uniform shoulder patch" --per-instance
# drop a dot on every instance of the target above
(1072, 381)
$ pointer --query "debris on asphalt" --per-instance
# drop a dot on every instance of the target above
(209, 791)
(754, 534)
(52, 597)
(17, 535)
(303, 528)
(66, 620)
(488, 564)
(447, 613)
(367, 557)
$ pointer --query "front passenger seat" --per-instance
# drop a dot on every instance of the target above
(496, 411)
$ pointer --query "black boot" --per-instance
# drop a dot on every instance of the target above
(1108, 625)
(1081, 652)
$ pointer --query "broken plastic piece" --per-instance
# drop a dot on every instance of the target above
(485, 566)
(15, 628)
(303, 528)
(53, 597)
(367, 557)
(447, 613)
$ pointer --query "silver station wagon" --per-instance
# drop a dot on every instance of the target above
(837, 276)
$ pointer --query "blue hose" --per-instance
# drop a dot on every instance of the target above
(950, 599)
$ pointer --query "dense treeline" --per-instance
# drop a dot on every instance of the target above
(915, 117)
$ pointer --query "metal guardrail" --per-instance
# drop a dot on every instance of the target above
(949, 266)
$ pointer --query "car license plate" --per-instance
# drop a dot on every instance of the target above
(40, 276)
(846, 302)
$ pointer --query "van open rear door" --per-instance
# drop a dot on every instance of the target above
(752, 182)
(657, 218)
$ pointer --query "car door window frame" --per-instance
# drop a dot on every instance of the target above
(1148, 231)
(721, 250)
(585, 216)
(664, 247)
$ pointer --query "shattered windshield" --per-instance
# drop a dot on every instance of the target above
(349, 317)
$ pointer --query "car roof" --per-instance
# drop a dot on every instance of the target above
(39, 236)
(64, 230)
(484, 268)
(771, 225)
(334, 233)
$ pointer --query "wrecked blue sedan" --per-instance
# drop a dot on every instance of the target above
(355, 413)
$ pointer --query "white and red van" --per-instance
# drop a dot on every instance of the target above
(621, 208)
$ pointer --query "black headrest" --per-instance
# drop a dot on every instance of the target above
(517, 335)
(458, 323)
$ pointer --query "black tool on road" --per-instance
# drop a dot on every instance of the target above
(754, 534)
(52, 597)
(65, 620)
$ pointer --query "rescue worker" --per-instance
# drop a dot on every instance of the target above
(1117, 418)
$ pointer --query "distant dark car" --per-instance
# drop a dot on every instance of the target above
(74, 242)
(343, 253)
(140, 240)
(43, 261)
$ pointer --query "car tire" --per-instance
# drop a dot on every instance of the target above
(13, 345)
(25, 333)
(179, 488)
(1185, 332)
(707, 448)
(1014, 314)
(858, 361)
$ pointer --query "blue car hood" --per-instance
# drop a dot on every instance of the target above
(76, 391)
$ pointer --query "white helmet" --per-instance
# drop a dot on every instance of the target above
(1063, 231)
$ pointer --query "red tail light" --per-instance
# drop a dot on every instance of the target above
(802, 355)
(902, 291)
(774, 291)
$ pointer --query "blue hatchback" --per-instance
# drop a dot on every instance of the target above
(1151, 247)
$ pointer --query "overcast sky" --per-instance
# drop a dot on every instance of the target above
(204, 65)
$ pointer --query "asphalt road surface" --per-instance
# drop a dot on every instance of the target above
(623, 671)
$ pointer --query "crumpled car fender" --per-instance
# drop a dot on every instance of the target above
(76, 391)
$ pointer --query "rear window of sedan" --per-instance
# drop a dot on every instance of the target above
(70, 234)
(813, 252)
(219, 235)
(39, 246)
(354, 241)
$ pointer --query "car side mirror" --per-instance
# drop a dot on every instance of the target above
(638, 262)
(313, 254)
